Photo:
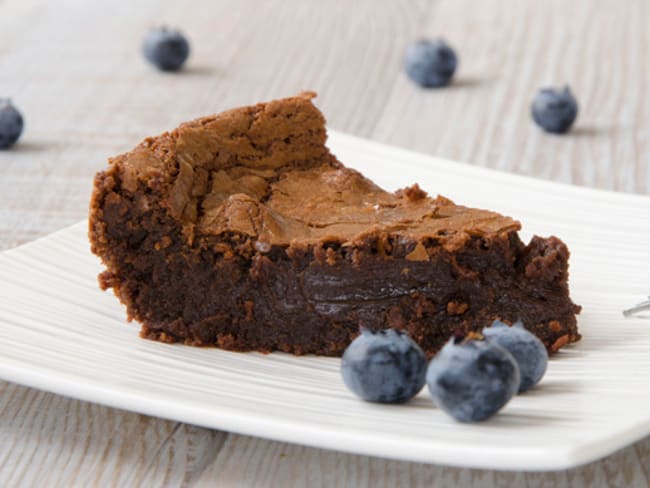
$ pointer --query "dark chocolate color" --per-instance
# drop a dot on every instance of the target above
(242, 231)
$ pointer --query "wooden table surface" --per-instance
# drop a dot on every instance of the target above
(75, 70)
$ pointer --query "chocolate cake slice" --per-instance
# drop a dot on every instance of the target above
(241, 230)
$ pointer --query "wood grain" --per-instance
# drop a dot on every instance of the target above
(50, 440)
(509, 50)
(260, 462)
(74, 69)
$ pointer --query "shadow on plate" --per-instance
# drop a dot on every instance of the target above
(27, 146)
(588, 131)
(468, 82)
(549, 387)
(200, 70)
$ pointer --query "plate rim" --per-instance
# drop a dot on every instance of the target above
(563, 457)
(321, 436)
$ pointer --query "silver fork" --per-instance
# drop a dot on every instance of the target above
(640, 307)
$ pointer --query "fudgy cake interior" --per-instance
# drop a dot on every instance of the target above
(242, 230)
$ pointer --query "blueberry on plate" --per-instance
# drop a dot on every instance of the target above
(472, 379)
(526, 348)
(11, 124)
(430, 64)
(384, 367)
(166, 49)
(555, 110)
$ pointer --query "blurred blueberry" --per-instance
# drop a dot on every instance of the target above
(166, 49)
(555, 110)
(430, 64)
(526, 348)
(385, 367)
(472, 379)
(11, 124)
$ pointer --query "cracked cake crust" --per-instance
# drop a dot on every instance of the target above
(242, 230)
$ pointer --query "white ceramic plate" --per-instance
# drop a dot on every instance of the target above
(59, 332)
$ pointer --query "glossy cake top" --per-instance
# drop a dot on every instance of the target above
(264, 171)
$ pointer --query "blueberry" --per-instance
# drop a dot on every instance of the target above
(385, 367)
(11, 124)
(527, 349)
(166, 49)
(554, 110)
(430, 64)
(472, 379)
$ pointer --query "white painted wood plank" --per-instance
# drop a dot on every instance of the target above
(74, 69)
(256, 462)
(50, 440)
(509, 49)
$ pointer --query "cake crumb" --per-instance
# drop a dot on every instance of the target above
(164, 243)
(249, 305)
(419, 253)
(561, 341)
(455, 307)
(413, 193)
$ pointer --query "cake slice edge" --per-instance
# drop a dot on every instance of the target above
(196, 264)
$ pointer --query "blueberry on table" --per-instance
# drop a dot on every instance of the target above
(430, 64)
(555, 110)
(471, 379)
(166, 49)
(11, 124)
(526, 348)
(384, 367)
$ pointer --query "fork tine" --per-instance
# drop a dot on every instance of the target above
(637, 308)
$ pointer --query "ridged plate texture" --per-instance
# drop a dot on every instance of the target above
(59, 332)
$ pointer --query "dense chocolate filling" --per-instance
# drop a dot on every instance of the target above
(241, 230)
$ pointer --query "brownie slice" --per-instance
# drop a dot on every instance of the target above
(241, 230)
